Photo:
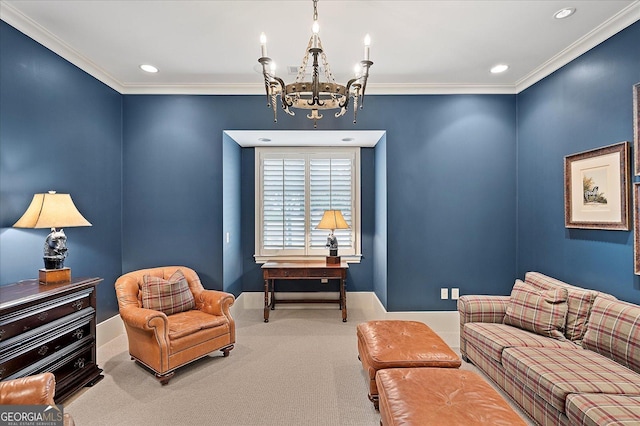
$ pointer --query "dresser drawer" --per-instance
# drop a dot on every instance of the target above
(47, 346)
(21, 321)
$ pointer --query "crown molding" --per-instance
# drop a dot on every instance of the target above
(607, 29)
(32, 29)
(372, 89)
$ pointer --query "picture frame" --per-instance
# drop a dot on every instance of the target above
(636, 128)
(597, 188)
(636, 228)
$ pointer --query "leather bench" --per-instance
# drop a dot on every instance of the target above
(400, 344)
(440, 396)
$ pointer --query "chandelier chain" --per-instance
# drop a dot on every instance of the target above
(305, 59)
(315, 10)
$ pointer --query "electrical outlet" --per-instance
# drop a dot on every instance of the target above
(455, 293)
(444, 293)
(228, 237)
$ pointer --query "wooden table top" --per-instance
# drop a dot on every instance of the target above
(294, 264)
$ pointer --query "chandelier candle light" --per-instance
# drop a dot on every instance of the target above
(315, 95)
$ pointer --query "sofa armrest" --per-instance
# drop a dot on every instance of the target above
(31, 390)
(479, 308)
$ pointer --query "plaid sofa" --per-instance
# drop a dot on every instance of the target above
(590, 375)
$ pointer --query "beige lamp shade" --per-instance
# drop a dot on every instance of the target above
(332, 219)
(51, 210)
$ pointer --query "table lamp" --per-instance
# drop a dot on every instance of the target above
(55, 211)
(332, 219)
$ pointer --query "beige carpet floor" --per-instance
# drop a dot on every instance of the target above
(301, 368)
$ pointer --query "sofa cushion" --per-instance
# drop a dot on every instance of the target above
(614, 331)
(599, 409)
(543, 312)
(169, 296)
(579, 301)
(555, 373)
(492, 339)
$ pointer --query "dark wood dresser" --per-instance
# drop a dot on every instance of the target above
(50, 328)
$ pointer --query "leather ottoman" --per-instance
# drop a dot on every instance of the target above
(440, 396)
(400, 344)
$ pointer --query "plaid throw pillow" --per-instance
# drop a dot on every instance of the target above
(579, 301)
(168, 296)
(542, 312)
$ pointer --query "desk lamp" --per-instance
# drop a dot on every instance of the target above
(55, 211)
(332, 220)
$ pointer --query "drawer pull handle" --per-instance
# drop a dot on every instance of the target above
(79, 363)
(43, 316)
(78, 334)
(78, 305)
(43, 350)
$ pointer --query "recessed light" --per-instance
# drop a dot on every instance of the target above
(499, 68)
(264, 139)
(564, 13)
(347, 139)
(148, 68)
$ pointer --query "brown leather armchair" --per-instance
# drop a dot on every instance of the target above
(165, 342)
(38, 389)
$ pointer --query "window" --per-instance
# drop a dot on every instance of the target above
(294, 186)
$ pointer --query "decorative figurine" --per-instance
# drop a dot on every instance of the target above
(55, 249)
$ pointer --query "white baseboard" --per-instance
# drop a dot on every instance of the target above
(109, 329)
(445, 323)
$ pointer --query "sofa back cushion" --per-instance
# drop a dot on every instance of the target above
(542, 312)
(579, 302)
(169, 296)
(613, 330)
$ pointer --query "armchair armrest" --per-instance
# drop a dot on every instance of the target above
(214, 302)
(479, 308)
(31, 390)
(145, 319)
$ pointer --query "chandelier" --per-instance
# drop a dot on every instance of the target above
(315, 95)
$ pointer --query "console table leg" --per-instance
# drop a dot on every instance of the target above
(266, 300)
(343, 299)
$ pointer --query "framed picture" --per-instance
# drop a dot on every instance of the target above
(636, 228)
(596, 194)
(636, 128)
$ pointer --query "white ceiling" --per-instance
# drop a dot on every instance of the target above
(212, 47)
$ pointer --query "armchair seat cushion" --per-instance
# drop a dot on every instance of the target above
(185, 323)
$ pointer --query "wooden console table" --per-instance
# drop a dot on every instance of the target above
(303, 270)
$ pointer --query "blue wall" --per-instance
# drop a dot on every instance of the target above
(471, 184)
(232, 215)
(585, 105)
(450, 196)
(380, 235)
(60, 129)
